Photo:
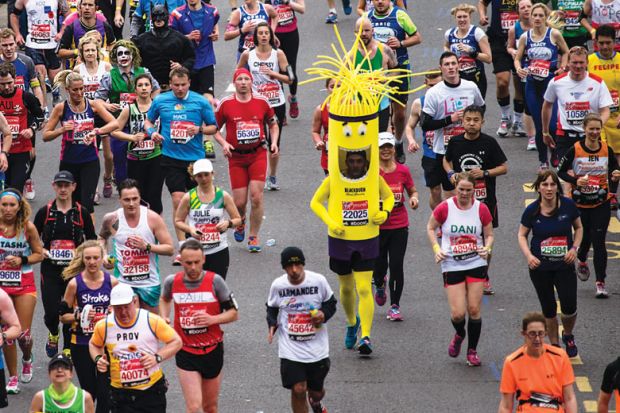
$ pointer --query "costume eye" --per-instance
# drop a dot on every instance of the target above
(362, 129)
(346, 129)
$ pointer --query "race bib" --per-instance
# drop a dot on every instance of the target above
(248, 42)
(592, 187)
(13, 122)
(467, 64)
(480, 189)
(41, 33)
(131, 370)
(179, 133)
(61, 251)
(248, 132)
(450, 131)
(125, 99)
(144, 147)
(210, 237)
(508, 19)
(100, 314)
(354, 213)
(19, 82)
(576, 111)
(81, 129)
(554, 247)
(187, 321)
(615, 106)
(300, 327)
(10, 276)
(539, 68)
(271, 92)
(90, 89)
(463, 247)
(571, 20)
(397, 190)
(285, 15)
(136, 268)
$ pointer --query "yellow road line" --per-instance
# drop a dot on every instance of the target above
(590, 406)
(614, 226)
(583, 384)
(527, 188)
(529, 201)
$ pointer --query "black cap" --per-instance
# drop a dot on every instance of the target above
(60, 358)
(292, 255)
(64, 176)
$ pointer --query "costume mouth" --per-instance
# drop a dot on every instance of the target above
(342, 162)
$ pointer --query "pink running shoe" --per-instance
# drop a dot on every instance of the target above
(472, 358)
(455, 345)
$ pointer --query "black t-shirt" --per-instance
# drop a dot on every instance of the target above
(66, 42)
(504, 14)
(611, 377)
(62, 226)
(484, 153)
(157, 52)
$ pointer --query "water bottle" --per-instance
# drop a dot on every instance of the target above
(270, 242)
(313, 312)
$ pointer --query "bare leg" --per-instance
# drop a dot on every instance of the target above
(256, 200)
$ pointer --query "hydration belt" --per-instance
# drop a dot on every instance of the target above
(246, 151)
(542, 400)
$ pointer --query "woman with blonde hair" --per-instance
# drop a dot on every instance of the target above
(21, 249)
(86, 301)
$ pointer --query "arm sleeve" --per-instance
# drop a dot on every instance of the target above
(329, 307)
(440, 213)
(109, 34)
(219, 116)
(428, 123)
(613, 162)
(153, 113)
(568, 377)
(273, 307)
(66, 41)
(166, 291)
(479, 34)
(272, 316)
(189, 55)
(35, 112)
(89, 227)
(207, 113)
(222, 292)
(162, 330)
(566, 163)
(498, 155)
(485, 215)
(406, 23)
(526, 217)
(408, 178)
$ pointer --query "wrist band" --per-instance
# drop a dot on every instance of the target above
(436, 248)
(24, 260)
(150, 131)
(451, 173)
(97, 357)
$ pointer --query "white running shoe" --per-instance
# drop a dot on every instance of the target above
(517, 129)
(29, 192)
(504, 126)
(531, 143)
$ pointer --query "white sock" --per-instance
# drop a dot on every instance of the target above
(506, 112)
(517, 117)
(332, 11)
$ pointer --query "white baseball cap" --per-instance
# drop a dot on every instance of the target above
(202, 165)
(386, 138)
(121, 294)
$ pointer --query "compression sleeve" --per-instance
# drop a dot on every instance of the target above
(272, 316)
(329, 307)
(566, 164)
(428, 123)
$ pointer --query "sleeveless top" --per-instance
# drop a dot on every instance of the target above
(98, 298)
(77, 405)
(132, 266)
(16, 114)
(376, 63)
(204, 217)
(246, 41)
(462, 236)
(91, 82)
(467, 64)
(287, 20)
(20, 278)
(147, 149)
(73, 148)
(270, 89)
(42, 24)
(542, 56)
(596, 167)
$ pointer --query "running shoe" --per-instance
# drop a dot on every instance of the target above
(97, 198)
(12, 387)
(517, 129)
(67, 352)
(351, 335)
(253, 244)
(239, 233)
(26, 376)
(364, 346)
(504, 127)
(332, 18)
(209, 149)
(487, 289)
(583, 271)
(601, 291)
(569, 343)
(472, 358)
(380, 296)
(271, 184)
(317, 407)
(346, 6)
(531, 143)
(51, 347)
(455, 345)
(400, 153)
(107, 187)
(56, 97)
(29, 192)
(293, 110)
(177, 260)
(394, 313)
(543, 167)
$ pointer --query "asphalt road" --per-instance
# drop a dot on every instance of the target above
(409, 370)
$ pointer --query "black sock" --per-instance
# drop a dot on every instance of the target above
(503, 101)
(473, 329)
(518, 105)
(459, 326)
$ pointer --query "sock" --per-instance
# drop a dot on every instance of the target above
(518, 116)
(366, 307)
(332, 11)
(474, 326)
(347, 297)
(519, 106)
(459, 326)
(504, 105)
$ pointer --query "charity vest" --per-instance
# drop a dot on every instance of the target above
(376, 63)
(126, 345)
(462, 236)
(246, 41)
(99, 299)
(91, 82)
(609, 71)
(133, 266)
(16, 114)
(189, 303)
(147, 149)
(596, 166)
(73, 147)
(120, 91)
(15, 278)
(42, 24)
(542, 56)
(77, 405)
(270, 89)
(204, 217)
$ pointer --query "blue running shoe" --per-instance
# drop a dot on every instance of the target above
(254, 245)
(51, 347)
(346, 6)
(364, 347)
(332, 18)
(351, 337)
(239, 233)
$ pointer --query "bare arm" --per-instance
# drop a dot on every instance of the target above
(570, 400)
(243, 59)
(604, 112)
(89, 405)
(14, 20)
(50, 132)
(485, 50)
(283, 64)
(69, 298)
(299, 6)
(108, 228)
(482, 11)
(162, 235)
(231, 210)
(603, 402)
(232, 29)
(9, 317)
(36, 405)
(511, 43)
(316, 129)
(180, 217)
(506, 403)
(412, 122)
(273, 16)
(36, 248)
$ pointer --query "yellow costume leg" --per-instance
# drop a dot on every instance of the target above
(347, 297)
(366, 310)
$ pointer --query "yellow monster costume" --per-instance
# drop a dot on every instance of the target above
(353, 214)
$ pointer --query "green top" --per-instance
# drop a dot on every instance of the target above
(147, 149)
(572, 9)
(195, 202)
(77, 404)
(119, 85)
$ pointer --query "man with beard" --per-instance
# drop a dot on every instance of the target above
(24, 115)
(164, 49)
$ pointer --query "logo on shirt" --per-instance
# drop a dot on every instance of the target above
(178, 106)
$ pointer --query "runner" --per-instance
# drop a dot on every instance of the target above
(504, 15)
(266, 65)
(85, 302)
(63, 225)
(138, 236)
(143, 153)
(288, 35)
(300, 302)
(463, 255)
(245, 115)
(62, 394)
(203, 207)
(10, 331)
(79, 153)
(197, 321)
(577, 93)
(114, 13)
(471, 45)
(127, 343)
(182, 114)
(589, 166)
(332, 16)
(26, 75)
(541, 46)
(609, 385)
(601, 12)
(364, 6)
(394, 232)
(537, 374)
(23, 112)
(243, 21)
(574, 32)
(21, 248)
(393, 27)
(320, 121)
(481, 156)
(442, 115)
(551, 255)
(141, 19)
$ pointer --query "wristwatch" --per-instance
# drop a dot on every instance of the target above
(486, 173)
(158, 358)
